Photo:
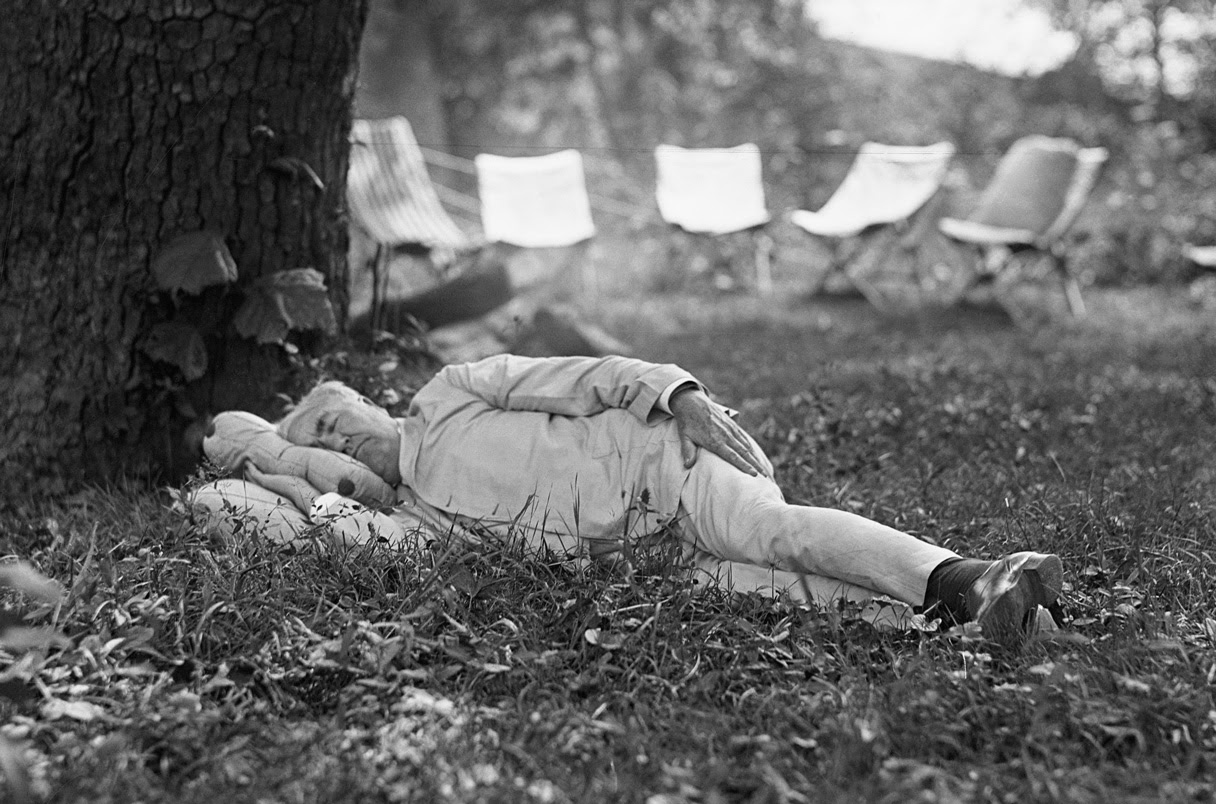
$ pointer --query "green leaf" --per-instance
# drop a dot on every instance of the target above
(285, 301)
(14, 777)
(193, 261)
(178, 344)
(22, 577)
(25, 638)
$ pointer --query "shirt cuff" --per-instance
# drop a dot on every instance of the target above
(669, 391)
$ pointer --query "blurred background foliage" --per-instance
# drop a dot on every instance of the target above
(616, 77)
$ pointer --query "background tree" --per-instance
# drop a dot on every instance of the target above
(1140, 83)
(398, 72)
(1154, 52)
(125, 125)
(617, 77)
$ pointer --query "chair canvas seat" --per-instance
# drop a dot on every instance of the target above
(1203, 256)
(885, 184)
(987, 234)
(390, 192)
(711, 190)
(534, 201)
(712, 193)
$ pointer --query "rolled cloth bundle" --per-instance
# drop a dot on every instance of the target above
(238, 437)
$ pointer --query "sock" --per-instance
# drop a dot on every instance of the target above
(946, 591)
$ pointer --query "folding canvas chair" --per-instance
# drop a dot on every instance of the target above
(537, 202)
(883, 201)
(716, 192)
(392, 199)
(1036, 194)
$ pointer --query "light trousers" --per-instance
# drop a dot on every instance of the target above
(739, 534)
(742, 535)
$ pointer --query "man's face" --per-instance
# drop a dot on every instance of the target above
(359, 428)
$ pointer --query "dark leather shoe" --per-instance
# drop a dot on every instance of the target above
(1006, 598)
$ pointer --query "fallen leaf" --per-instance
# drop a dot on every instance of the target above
(22, 576)
(490, 667)
(1130, 684)
(608, 640)
(24, 638)
(55, 709)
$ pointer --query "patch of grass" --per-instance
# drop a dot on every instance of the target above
(204, 670)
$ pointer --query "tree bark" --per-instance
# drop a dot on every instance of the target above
(124, 124)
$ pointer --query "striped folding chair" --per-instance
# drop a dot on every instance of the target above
(393, 200)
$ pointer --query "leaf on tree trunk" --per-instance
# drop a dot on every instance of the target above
(194, 261)
(283, 301)
(297, 168)
(178, 344)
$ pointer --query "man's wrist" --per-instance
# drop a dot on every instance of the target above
(671, 391)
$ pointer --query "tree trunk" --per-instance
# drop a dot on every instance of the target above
(124, 124)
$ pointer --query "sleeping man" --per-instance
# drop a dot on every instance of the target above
(582, 454)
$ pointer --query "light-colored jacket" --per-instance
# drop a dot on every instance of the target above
(575, 451)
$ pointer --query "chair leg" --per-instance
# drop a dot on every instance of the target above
(1072, 291)
(1072, 288)
(674, 273)
(886, 240)
(764, 263)
(376, 313)
(820, 282)
(587, 257)
(972, 262)
(870, 293)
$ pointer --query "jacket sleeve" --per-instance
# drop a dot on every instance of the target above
(566, 386)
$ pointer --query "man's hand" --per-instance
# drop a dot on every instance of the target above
(702, 423)
(297, 489)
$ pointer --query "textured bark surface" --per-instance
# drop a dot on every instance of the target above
(123, 124)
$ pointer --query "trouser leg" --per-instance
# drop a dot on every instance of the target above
(232, 508)
(734, 576)
(744, 519)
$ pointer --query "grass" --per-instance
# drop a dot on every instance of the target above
(198, 670)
